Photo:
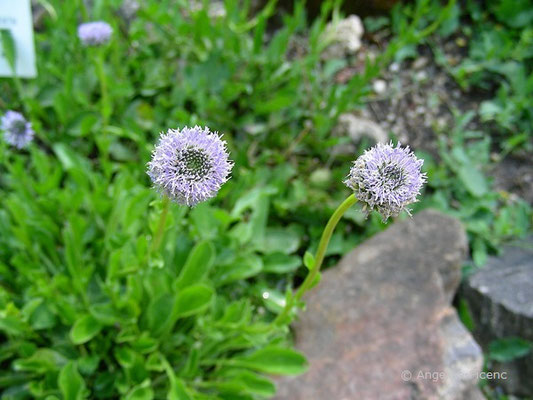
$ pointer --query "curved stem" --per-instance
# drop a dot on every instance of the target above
(319, 257)
(156, 243)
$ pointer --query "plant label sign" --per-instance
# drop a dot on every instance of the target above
(16, 30)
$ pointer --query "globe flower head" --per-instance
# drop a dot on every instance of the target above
(17, 131)
(94, 33)
(387, 179)
(189, 165)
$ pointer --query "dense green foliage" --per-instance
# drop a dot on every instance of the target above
(85, 309)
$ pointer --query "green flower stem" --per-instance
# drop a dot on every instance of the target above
(156, 243)
(105, 110)
(20, 92)
(319, 257)
(84, 13)
(104, 101)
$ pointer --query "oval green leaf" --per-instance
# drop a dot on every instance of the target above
(193, 300)
(274, 360)
(84, 329)
(141, 393)
(71, 383)
(197, 266)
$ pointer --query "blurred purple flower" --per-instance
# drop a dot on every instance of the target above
(94, 33)
(17, 131)
(189, 165)
(387, 178)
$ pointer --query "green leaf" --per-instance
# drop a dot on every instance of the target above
(407, 51)
(238, 312)
(516, 13)
(508, 349)
(42, 318)
(309, 260)
(159, 313)
(202, 218)
(465, 315)
(241, 379)
(167, 309)
(281, 100)
(241, 268)
(178, 390)
(273, 299)
(197, 266)
(193, 300)
(473, 180)
(71, 383)
(273, 360)
(69, 158)
(251, 200)
(125, 357)
(88, 364)
(154, 363)
(141, 392)
(479, 251)
(9, 50)
(373, 24)
(145, 344)
(12, 325)
(257, 384)
(40, 362)
(84, 329)
(104, 313)
(280, 263)
(489, 110)
(281, 240)
(450, 24)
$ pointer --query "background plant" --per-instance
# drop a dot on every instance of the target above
(499, 62)
(81, 314)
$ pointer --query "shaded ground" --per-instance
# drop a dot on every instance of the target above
(515, 175)
(416, 100)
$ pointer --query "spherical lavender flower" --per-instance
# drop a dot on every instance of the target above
(17, 131)
(387, 178)
(94, 33)
(189, 165)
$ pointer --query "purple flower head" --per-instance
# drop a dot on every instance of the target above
(387, 178)
(94, 33)
(189, 165)
(17, 131)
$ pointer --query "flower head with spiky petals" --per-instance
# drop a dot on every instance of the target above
(94, 33)
(17, 131)
(387, 178)
(190, 165)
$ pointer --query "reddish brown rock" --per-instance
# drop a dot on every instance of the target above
(380, 326)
